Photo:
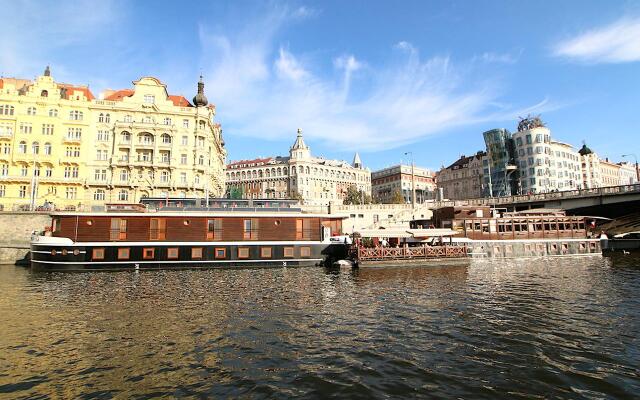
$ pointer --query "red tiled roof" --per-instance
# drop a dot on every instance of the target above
(254, 161)
(1, 83)
(179, 101)
(120, 94)
(70, 89)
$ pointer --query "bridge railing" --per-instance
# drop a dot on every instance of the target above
(528, 198)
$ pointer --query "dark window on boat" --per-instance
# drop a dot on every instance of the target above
(196, 252)
(250, 229)
(97, 254)
(305, 251)
(172, 253)
(220, 252)
(123, 253)
(148, 253)
(303, 229)
(214, 229)
(243, 252)
(118, 229)
(265, 252)
(289, 252)
(157, 229)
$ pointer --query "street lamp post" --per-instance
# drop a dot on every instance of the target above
(413, 187)
(637, 171)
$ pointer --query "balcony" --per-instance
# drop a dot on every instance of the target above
(5, 135)
(72, 139)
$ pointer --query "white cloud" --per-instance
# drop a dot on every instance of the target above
(615, 43)
(263, 90)
(500, 58)
(305, 12)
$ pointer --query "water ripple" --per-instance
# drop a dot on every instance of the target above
(545, 328)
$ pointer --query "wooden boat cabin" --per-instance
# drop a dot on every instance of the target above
(132, 239)
(477, 223)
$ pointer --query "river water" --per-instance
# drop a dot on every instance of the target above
(560, 328)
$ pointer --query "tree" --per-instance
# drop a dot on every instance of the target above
(355, 196)
(235, 193)
(397, 197)
(295, 195)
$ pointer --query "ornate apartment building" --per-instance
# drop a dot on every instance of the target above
(464, 178)
(314, 180)
(60, 144)
(386, 182)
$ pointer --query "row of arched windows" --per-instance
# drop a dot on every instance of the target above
(35, 148)
(275, 172)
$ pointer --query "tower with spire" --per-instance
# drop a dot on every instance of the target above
(299, 150)
(200, 100)
(357, 163)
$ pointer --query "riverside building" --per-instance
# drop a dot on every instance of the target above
(313, 180)
(385, 183)
(464, 179)
(60, 144)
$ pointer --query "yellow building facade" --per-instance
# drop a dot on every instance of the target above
(61, 145)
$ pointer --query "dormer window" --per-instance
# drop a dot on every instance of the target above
(44, 93)
(149, 99)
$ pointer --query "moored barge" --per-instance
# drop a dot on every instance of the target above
(186, 239)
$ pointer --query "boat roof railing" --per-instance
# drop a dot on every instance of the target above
(231, 209)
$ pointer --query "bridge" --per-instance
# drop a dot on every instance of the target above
(610, 201)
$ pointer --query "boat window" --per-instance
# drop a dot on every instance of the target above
(118, 229)
(97, 253)
(214, 229)
(265, 252)
(196, 252)
(148, 253)
(221, 252)
(56, 225)
(303, 229)
(243, 252)
(172, 253)
(288, 252)
(305, 251)
(157, 229)
(123, 253)
(250, 227)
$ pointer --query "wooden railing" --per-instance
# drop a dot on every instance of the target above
(407, 253)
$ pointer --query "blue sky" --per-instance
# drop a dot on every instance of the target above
(381, 78)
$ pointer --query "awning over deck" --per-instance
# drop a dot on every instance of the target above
(406, 233)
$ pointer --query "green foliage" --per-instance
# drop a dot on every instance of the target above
(354, 196)
(235, 193)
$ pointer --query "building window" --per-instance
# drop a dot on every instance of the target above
(124, 175)
(123, 253)
(183, 178)
(100, 175)
(265, 252)
(76, 115)
(99, 195)
(305, 251)
(250, 229)
(97, 253)
(185, 123)
(157, 229)
(149, 99)
(101, 155)
(47, 129)
(172, 253)
(3, 190)
(53, 112)
(128, 118)
(71, 193)
(288, 252)
(185, 140)
(243, 252)
(196, 253)
(22, 191)
(24, 171)
(26, 127)
(167, 121)
(35, 148)
(220, 253)
(183, 159)
(164, 176)
(214, 229)
(31, 111)
(148, 253)
(123, 195)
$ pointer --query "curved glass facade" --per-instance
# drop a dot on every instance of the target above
(500, 171)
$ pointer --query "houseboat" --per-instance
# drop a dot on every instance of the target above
(127, 237)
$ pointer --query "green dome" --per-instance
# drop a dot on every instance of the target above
(585, 150)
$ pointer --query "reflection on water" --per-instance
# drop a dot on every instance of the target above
(548, 328)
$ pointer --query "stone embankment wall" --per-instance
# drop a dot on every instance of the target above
(15, 233)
